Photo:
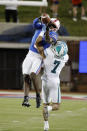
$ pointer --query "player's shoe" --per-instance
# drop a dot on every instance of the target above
(26, 102)
(38, 101)
(46, 126)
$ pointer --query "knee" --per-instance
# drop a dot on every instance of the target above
(55, 107)
(33, 76)
(27, 79)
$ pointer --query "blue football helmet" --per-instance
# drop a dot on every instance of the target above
(60, 49)
(54, 36)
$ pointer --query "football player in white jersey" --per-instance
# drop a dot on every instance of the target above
(56, 57)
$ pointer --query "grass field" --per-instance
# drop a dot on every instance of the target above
(72, 116)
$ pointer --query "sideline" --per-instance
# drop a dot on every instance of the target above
(19, 94)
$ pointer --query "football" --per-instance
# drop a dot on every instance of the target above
(45, 18)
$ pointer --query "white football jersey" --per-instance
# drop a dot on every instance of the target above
(53, 65)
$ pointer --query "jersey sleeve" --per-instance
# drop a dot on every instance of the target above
(65, 58)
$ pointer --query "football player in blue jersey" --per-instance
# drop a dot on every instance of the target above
(32, 63)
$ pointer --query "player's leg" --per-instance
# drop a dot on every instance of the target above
(32, 65)
(45, 98)
(46, 109)
(15, 15)
(83, 16)
(36, 87)
(26, 79)
(74, 13)
(55, 96)
(7, 15)
(27, 84)
(45, 116)
(82, 11)
(35, 70)
(55, 7)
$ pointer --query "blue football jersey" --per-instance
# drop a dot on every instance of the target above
(39, 27)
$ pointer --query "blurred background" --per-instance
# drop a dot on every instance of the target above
(16, 35)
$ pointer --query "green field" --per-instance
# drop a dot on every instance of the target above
(72, 116)
(27, 14)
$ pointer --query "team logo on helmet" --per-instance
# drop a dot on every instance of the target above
(60, 49)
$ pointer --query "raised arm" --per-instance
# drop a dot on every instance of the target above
(39, 40)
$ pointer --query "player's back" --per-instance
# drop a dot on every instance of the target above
(53, 65)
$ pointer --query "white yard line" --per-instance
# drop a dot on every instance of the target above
(59, 129)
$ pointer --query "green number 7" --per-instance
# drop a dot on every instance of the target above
(56, 63)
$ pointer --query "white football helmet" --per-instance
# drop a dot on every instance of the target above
(60, 49)
(57, 23)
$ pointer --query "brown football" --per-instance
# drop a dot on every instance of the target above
(45, 18)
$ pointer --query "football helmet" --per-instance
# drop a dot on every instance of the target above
(60, 49)
(56, 22)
